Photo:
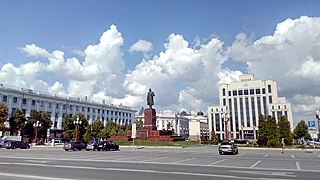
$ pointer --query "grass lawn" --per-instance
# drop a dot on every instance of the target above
(146, 143)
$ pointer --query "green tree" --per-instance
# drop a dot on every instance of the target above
(284, 130)
(16, 121)
(262, 131)
(301, 130)
(43, 119)
(109, 130)
(214, 139)
(88, 136)
(69, 128)
(3, 115)
(96, 126)
(272, 132)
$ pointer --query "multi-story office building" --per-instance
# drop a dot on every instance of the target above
(240, 105)
(60, 106)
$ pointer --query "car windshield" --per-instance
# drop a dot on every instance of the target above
(226, 143)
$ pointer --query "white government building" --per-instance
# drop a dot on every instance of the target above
(192, 127)
(58, 106)
(241, 103)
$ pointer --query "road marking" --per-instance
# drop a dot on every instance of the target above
(255, 164)
(292, 156)
(266, 155)
(155, 159)
(36, 161)
(242, 154)
(25, 176)
(288, 174)
(113, 169)
(298, 166)
(217, 162)
(129, 158)
(183, 160)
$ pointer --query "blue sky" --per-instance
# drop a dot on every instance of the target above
(235, 28)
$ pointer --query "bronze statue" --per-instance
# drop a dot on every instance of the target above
(150, 98)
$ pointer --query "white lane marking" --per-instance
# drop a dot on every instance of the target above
(292, 156)
(155, 159)
(298, 166)
(114, 169)
(25, 176)
(36, 161)
(280, 173)
(255, 164)
(266, 155)
(183, 160)
(129, 158)
(217, 162)
(242, 154)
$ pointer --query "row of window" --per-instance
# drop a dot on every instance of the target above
(246, 91)
(65, 106)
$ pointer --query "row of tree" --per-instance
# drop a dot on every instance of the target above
(270, 132)
(20, 124)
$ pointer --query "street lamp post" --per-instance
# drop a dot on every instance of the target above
(77, 123)
(318, 118)
(36, 126)
(225, 117)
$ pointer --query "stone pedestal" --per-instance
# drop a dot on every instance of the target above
(150, 118)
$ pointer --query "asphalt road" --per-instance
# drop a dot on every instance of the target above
(159, 164)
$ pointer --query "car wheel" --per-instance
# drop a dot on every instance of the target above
(79, 149)
(66, 149)
(220, 153)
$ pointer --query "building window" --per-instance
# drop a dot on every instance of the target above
(223, 92)
(33, 102)
(57, 106)
(24, 101)
(224, 102)
(269, 88)
(234, 93)
(263, 90)
(15, 100)
(88, 109)
(258, 91)
(270, 99)
(246, 92)
(217, 118)
(229, 93)
(5, 98)
(251, 91)
(240, 92)
(279, 107)
(285, 106)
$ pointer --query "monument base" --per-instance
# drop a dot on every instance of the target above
(150, 119)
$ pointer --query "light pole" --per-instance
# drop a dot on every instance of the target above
(318, 118)
(36, 126)
(225, 117)
(77, 123)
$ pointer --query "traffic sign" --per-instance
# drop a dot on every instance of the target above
(312, 125)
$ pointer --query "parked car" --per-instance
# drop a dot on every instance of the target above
(56, 142)
(108, 146)
(227, 147)
(92, 145)
(74, 145)
(3, 143)
(17, 144)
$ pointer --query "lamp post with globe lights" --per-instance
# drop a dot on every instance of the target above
(37, 126)
(77, 123)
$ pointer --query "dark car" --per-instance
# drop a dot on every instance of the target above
(17, 144)
(227, 147)
(74, 145)
(92, 145)
(108, 145)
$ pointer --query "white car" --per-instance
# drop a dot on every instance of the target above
(56, 142)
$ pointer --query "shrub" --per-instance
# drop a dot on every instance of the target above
(273, 143)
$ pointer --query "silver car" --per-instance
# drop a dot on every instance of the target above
(227, 147)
